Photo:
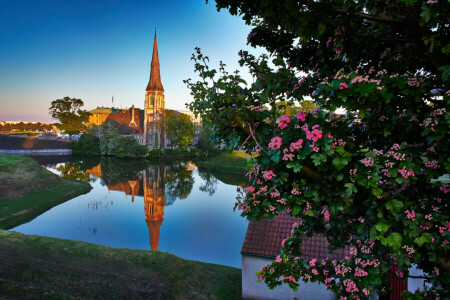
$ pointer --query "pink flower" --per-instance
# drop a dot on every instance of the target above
(275, 143)
(284, 120)
(312, 262)
(315, 134)
(296, 145)
(267, 175)
(301, 116)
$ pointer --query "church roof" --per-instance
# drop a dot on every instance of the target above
(122, 121)
(264, 238)
(154, 83)
(101, 110)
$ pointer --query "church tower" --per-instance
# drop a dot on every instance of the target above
(154, 133)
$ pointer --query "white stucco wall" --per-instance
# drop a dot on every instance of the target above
(251, 289)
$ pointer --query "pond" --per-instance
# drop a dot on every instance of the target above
(166, 206)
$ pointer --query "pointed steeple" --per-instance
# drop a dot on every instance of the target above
(154, 83)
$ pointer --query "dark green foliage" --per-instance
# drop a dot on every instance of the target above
(68, 111)
(128, 146)
(207, 143)
(87, 143)
(368, 179)
(112, 143)
(180, 129)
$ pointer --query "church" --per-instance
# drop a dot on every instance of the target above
(147, 125)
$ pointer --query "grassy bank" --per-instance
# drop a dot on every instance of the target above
(41, 267)
(37, 267)
(234, 162)
(28, 190)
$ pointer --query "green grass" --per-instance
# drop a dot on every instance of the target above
(234, 162)
(51, 268)
(16, 211)
(37, 267)
(28, 190)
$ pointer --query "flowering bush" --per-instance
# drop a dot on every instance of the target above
(367, 179)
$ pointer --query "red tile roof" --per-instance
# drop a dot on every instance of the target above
(264, 238)
(123, 121)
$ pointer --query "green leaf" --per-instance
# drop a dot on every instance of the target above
(309, 213)
(276, 156)
(425, 238)
(318, 158)
(377, 192)
(339, 163)
(395, 240)
(382, 227)
(351, 188)
(394, 206)
(297, 167)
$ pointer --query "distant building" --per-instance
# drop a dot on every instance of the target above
(197, 120)
(146, 125)
(98, 116)
(154, 132)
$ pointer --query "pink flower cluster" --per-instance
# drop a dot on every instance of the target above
(284, 120)
(409, 250)
(410, 214)
(301, 116)
(360, 272)
(350, 286)
(406, 173)
(291, 278)
(368, 161)
(343, 85)
(315, 134)
(326, 214)
(275, 143)
(289, 157)
(432, 164)
(338, 142)
(268, 175)
(396, 155)
(296, 145)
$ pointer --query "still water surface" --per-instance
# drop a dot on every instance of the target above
(165, 206)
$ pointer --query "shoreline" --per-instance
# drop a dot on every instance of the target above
(53, 268)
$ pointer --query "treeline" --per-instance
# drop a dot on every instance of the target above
(22, 126)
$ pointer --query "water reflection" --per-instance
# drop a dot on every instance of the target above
(153, 183)
(167, 206)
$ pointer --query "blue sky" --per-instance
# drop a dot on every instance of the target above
(91, 50)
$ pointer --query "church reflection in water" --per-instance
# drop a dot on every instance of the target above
(151, 183)
(154, 200)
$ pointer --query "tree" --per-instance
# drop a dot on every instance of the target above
(180, 129)
(206, 140)
(367, 180)
(68, 111)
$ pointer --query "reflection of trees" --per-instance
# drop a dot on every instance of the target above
(210, 184)
(179, 181)
(116, 170)
(74, 171)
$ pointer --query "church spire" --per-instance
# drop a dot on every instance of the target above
(154, 83)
